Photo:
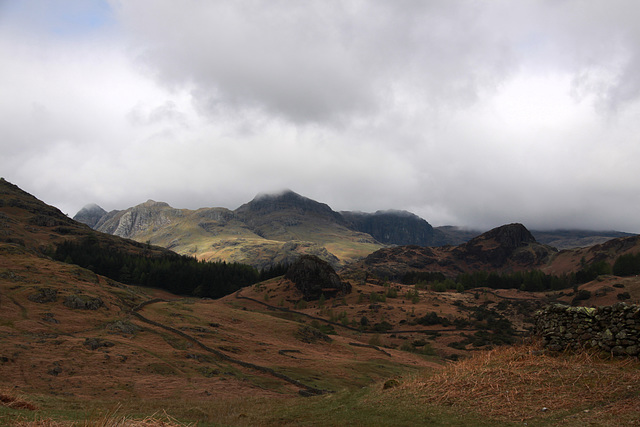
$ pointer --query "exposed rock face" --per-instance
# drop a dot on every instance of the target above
(395, 228)
(147, 216)
(612, 329)
(90, 215)
(314, 277)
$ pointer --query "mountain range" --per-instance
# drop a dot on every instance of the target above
(268, 230)
(275, 229)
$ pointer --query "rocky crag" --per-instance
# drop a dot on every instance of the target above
(315, 277)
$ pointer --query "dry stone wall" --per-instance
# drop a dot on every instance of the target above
(614, 329)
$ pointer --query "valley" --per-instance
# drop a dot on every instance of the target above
(410, 330)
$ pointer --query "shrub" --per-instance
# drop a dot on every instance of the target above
(623, 296)
(582, 295)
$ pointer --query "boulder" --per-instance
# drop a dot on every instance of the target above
(315, 277)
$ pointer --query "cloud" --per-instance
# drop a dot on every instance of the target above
(466, 113)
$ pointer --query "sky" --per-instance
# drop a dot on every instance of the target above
(467, 113)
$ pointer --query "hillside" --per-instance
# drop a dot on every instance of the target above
(503, 249)
(70, 338)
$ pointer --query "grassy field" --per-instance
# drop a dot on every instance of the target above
(505, 386)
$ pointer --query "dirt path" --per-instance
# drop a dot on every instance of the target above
(306, 390)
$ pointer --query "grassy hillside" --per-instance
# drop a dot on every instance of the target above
(213, 361)
(78, 348)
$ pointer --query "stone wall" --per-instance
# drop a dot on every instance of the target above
(614, 329)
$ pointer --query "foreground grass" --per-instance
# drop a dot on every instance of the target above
(506, 386)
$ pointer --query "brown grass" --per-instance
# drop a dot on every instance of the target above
(10, 400)
(110, 419)
(518, 383)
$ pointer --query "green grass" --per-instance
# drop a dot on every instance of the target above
(363, 407)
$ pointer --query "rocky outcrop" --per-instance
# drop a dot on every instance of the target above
(82, 302)
(614, 329)
(512, 242)
(395, 228)
(44, 295)
(315, 277)
(146, 217)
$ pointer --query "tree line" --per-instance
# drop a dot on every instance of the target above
(179, 274)
(532, 281)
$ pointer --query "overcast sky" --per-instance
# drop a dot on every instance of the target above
(471, 113)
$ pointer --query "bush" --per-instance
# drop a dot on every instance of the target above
(623, 296)
(383, 326)
(376, 297)
(582, 295)
(429, 319)
(439, 287)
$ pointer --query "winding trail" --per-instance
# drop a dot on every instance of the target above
(238, 295)
(307, 390)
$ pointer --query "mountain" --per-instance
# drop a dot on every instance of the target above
(568, 239)
(396, 228)
(90, 215)
(268, 230)
(559, 239)
(457, 235)
(507, 248)
(277, 228)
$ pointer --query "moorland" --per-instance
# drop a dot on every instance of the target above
(100, 329)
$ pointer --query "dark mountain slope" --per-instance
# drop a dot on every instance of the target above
(396, 228)
(90, 215)
(508, 248)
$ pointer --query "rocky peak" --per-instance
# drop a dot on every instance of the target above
(90, 214)
(508, 243)
(509, 237)
(264, 204)
(145, 217)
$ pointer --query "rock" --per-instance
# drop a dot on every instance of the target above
(390, 384)
(44, 295)
(315, 277)
(124, 327)
(96, 343)
(83, 302)
(48, 317)
(310, 335)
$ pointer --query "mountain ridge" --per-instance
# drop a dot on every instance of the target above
(270, 229)
(276, 228)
